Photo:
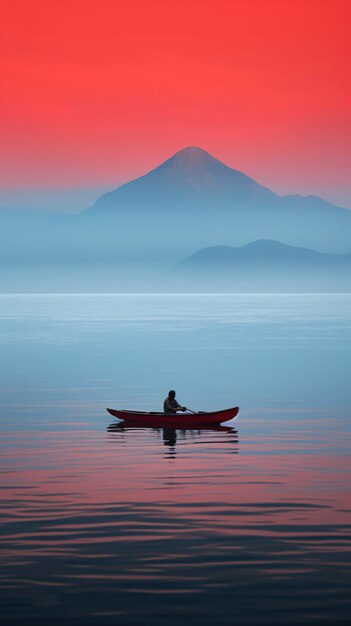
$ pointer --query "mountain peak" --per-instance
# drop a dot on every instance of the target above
(192, 153)
(192, 160)
(191, 150)
(193, 168)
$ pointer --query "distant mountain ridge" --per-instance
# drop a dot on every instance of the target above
(263, 250)
(190, 202)
(193, 193)
(264, 265)
(195, 169)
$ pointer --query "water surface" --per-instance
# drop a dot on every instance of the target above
(102, 523)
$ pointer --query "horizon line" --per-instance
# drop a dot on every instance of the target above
(179, 293)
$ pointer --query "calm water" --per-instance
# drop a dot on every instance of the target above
(246, 524)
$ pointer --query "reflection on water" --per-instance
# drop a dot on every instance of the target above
(104, 523)
(146, 525)
(170, 436)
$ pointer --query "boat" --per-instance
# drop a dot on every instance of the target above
(175, 420)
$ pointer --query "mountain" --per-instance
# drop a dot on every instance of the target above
(263, 266)
(190, 202)
(199, 201)
(191, 174)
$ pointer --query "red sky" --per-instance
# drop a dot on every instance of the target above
(96, 92)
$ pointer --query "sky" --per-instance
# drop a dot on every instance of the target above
(95, 93)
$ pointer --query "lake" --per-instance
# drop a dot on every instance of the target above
(249, 523)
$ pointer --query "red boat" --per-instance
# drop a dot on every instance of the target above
(175, 420)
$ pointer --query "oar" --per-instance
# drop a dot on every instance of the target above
(190, 411)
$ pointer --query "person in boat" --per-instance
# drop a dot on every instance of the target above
(171, 405)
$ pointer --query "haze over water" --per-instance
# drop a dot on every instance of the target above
(103, 523)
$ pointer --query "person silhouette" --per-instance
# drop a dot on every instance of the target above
(171, 405)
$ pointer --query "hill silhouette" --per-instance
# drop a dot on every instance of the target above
(191, 174)
(203, 201)
(264, 266)
(190, 202)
